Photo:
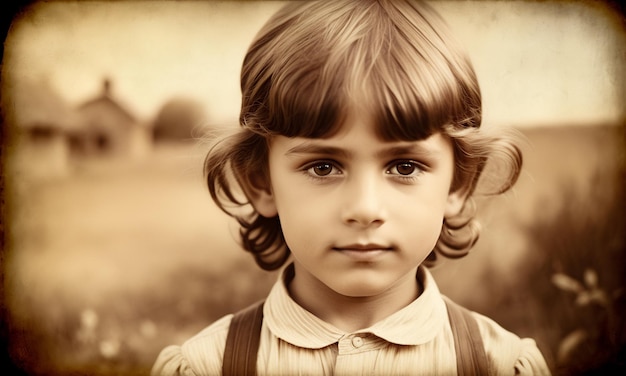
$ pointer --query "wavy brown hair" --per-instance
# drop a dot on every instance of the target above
(311, 61)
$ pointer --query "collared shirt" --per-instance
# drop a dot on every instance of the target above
(416, 340)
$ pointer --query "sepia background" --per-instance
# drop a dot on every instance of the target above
(112, 247)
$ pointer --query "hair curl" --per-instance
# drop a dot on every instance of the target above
(313, 60)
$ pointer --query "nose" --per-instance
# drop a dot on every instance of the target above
(364, 203)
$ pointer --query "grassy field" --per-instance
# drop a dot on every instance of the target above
(106, 266)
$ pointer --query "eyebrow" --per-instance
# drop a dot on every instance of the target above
(311, 148)
(395, 150)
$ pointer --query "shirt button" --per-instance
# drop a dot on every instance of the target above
(357, 342)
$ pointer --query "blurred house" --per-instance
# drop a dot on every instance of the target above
(40, 121)
(109, 129)
(47, 134)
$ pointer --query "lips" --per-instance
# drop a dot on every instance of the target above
(363, 252)
(364, 247)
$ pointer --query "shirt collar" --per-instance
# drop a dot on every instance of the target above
(417, 323)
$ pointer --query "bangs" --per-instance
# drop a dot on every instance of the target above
(300, 78)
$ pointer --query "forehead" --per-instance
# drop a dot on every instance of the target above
(358, 135)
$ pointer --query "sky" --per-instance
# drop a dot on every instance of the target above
(538, 63)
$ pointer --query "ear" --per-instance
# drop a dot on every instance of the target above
(259, 191)
(454, 203)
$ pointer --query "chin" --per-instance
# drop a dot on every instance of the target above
(360, 290)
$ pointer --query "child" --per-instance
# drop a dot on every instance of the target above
(358, 150)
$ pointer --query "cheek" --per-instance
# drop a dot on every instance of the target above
(303, 234)
(419, 204)
(420, 219)
(301, 218)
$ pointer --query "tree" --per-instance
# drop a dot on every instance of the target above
(179, 120)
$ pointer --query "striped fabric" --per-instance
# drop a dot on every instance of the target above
(417, 340)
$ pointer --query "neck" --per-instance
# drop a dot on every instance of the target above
(350, 313)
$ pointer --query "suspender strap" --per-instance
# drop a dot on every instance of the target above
(244, 335)
(242, 342)
(471, 359)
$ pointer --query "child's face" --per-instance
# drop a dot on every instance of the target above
(358, 213)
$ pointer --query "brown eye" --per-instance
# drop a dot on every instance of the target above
(322, 169)
(405, 168)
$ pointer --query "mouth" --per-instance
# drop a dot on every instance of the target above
(364, 247)
(363, 252)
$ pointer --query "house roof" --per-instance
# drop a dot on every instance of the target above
(106, 98)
